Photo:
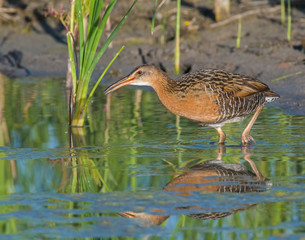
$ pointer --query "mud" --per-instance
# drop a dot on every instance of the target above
(35, 45)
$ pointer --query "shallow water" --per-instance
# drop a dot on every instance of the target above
(133, 159)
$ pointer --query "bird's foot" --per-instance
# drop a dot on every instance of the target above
(247, 140)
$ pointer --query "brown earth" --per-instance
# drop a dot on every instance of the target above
(34, 45)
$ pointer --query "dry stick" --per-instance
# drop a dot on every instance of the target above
(161, 4)
(245, 14)
(8, 10)
(5, 14)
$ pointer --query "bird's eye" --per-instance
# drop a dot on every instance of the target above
(139, 72)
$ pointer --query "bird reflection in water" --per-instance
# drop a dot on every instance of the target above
(210, 176)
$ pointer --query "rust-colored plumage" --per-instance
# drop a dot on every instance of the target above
(210, 97)
(210, 176)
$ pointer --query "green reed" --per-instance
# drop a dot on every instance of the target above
(154, 17)
(286, 76)
(289, 21)
(89, 54)
(283, 15)
(177, 37)
(238, 33)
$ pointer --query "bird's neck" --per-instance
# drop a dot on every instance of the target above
(163, 84)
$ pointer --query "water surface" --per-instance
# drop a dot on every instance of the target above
(133, 159)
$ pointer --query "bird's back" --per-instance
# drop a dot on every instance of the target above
(219, 82)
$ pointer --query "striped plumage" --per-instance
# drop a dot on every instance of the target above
(210, 97)
(210, 176)
(217, 176)
(234, 94)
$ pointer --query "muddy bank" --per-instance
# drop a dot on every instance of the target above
(38, 48)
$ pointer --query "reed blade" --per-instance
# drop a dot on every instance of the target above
(79, 13)
(95, 31)
(109, 40)
(177, 39)
(154, 17)
(238, 34)
(72, 61)
(102, 76)
(289, 21)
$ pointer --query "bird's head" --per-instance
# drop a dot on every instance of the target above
(145, 218)
(141, 76)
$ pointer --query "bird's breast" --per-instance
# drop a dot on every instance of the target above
(200, 108)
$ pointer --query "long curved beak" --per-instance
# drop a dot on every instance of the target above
(122, 82)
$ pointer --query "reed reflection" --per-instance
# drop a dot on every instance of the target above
(210, 176)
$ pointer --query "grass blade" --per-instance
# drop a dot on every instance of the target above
(177, 50)
(154, 17)
(72, 13)
(99, 30)
(81, 35)
(91, 39)
(101, 77)
(92, 26)
(94, 11)
(72, 62)
(238, 33)
(289, 21)
(109, 40)
(283, 12)
(286, 76)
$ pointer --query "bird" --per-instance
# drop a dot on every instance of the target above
(214, 176)
(211, 97)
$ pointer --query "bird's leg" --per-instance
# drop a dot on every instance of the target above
(247, 157)
(245, 136)
(221, 151)
(222, 135)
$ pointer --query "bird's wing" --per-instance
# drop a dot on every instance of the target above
(243, 86)
(222, 82)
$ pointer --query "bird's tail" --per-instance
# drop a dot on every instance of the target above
(271, 96)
